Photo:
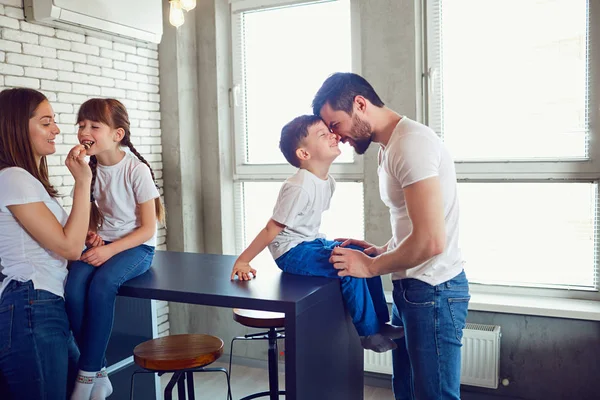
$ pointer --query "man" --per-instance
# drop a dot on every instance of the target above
(417, 182)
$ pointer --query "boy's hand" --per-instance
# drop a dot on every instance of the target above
(242, 270)
(93, 240)
(370, 249)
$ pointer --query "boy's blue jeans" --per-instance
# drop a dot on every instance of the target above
(427, 361)
(364, 298)
(38, 356)
(90, 295)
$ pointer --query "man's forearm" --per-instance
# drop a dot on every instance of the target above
(413, 251)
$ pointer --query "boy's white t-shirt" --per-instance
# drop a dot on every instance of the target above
(118, 190)
(414, 153)
(21, 256)
(301, 202)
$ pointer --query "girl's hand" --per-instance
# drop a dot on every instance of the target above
(97, 256)
(242, 270)
(93, 240)
(77, 165)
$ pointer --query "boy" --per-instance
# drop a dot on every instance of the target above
(292, 233)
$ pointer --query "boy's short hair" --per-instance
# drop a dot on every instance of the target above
(292, 135)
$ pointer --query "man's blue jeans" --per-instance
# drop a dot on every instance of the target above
(90, 295)
(427, 360)
(364, 298)
(38, 357)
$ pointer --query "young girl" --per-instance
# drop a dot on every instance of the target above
(36, 239)
(120, 245)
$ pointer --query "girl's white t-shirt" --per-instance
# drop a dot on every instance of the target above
(118, 190)
(21, 256)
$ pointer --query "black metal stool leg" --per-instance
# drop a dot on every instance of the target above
(181, 386)
(190, 385)
(231, 352)
(131, 387)
(273, 369)
(132, 390)
(171, 385)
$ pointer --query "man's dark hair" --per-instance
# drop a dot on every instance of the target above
(340, 89)
(292, 135)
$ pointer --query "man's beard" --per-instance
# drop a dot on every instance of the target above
(361, 132)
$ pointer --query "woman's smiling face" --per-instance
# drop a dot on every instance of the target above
(43, 130)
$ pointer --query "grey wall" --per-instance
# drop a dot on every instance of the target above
(544, 358)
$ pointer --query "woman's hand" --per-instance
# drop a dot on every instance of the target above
(77, 165)
(242, 270)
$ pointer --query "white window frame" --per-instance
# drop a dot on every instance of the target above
(244, 172)
(587, 170)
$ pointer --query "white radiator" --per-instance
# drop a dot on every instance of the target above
(480, 357)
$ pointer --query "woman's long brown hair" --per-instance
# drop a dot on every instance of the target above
(17, 107)
(114, 114)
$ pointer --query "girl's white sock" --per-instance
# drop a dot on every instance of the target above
(102, 386)
(83, 385)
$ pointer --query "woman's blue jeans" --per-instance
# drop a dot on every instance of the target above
(38, 357)
(427, 361)
(364, 298)
(90, 295)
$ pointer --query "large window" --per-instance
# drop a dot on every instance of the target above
(279, 63)
(507, 86)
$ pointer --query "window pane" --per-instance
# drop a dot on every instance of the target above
(284, 63)
(345, 217)
(514, 78)
(529, 234)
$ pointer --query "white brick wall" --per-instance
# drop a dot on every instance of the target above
(69, 68)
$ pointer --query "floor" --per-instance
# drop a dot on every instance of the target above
(246, 380)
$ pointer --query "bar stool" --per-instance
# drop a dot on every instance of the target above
(271, 321)
(182, 355)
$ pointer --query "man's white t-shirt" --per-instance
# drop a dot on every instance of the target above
(118, 190)
(21, 256)
(414, 153)
(302, 200)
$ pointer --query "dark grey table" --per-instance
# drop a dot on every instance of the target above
(323, 356)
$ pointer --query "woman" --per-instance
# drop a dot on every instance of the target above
(37, 237)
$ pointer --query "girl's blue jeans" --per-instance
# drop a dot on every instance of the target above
(38, 356)
(364, 298)
(90, 295)
(427, 360)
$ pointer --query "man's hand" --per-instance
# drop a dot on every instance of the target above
(97, 255)
(351, 262)
(242, 270)
(93, 240)
(370, 249)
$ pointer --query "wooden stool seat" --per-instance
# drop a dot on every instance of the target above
(259, 319)
(178, 352)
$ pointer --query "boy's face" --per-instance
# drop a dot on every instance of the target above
(321, 144)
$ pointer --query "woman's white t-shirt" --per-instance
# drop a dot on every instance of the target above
(118, 191)
(21, 256)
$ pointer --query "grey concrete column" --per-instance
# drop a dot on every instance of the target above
(182, 161)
